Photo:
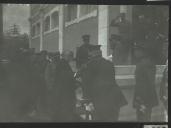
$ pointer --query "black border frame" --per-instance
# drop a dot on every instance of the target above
(89, 124)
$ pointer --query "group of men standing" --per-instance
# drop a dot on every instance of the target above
(99, 84)
(40, 85)
(45, 82)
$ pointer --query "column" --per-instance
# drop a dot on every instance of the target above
(30, 31)
(41, 34)
(1, 24)
(103, 29)
(61, 28)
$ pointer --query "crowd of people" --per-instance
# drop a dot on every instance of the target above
(45, 83)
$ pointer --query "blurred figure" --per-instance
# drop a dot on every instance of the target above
(145, 96)
(164, 91)
(52, 84)
(41, 66)
(99, 85)
(124, 28)
(67, 99)
(20, 81)
(82, 51)
(114, 45)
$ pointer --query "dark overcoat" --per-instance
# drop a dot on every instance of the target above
(63, 93)
(145, 89)
(99, 85)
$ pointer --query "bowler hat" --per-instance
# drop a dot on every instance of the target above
(86, 36)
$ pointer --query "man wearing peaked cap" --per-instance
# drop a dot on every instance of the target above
(82, 51)
(145, 96)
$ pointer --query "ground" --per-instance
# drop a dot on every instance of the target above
(127, 112)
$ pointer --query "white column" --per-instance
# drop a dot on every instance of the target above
(41, 34)
(103, 29)
(61, 28)
(78, 10)
(30, 31)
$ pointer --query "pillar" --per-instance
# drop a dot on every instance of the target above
(41, 34)
(103, 29)
(1, 24)
(61, 28)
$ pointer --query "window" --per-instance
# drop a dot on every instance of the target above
(47, 24)
(33, 31)
(71, 12)
(86, 9)
(55, 20)
(37, 28)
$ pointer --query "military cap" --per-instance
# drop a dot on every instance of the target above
(86, 36)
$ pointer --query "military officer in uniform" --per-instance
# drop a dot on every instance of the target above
(125, 43)
(99, 85)
(82, 51)
(145, 96)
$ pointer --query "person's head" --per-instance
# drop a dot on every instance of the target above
(114, 39)
(43, 55)
(86, 39)
(123, 16)
(95, 51)
(54, 56)
(68, 55)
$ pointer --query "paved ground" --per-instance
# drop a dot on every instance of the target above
(127, 112)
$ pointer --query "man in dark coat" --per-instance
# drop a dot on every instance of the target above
(145, 97)
(124, 45)
(82, 51)
(65, 91)
(61, 90)
(52, 84)
(19, 79)
(99, 85)
(40, 67)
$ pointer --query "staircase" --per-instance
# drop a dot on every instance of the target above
(125, 74)
(125, 79)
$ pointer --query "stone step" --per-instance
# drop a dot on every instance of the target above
(130, 69)
(125, 74)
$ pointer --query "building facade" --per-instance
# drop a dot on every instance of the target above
(60, 27)
(56, 27)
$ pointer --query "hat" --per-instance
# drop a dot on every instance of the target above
(86, 36)
(94, 50)
(115, 37)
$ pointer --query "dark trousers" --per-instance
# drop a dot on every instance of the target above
(106, 115)
(144, 116)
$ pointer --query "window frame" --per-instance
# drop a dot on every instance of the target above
(35, 25)
(44, 20)
(57, 27)
(50, 15)
(81, 18)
